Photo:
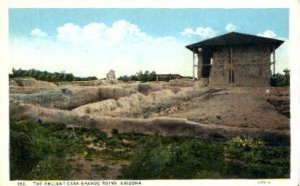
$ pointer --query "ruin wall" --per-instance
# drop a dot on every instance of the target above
(250, 65)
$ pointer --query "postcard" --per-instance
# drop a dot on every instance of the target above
(157, 95)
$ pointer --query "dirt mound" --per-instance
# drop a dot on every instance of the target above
(160, 125)
(239, 106)
(114, 92)
(62, 99)
(146, 88)
(20, 110)
(240, 109)
(72, 97)
(279, 98)
(132, 101)
(82, 83)
(31, 82)
(29, 85)
(144, 106)
(181, 83)
(125, 105)
(102, 107)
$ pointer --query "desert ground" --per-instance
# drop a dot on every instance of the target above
(179, 107)
(245, 110)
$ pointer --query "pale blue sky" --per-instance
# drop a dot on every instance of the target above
(92, 41)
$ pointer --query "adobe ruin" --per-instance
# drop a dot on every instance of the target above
(235, 59)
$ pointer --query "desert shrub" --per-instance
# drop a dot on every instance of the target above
(114, 142)
(51, 167)
(115, 133)
(21, 158)
(280, 80)
(153, 159)
(88, 110)
(174, 159)
(170, 158)
(144, 88)
(256, 159)
(39, 151)
(99, 169)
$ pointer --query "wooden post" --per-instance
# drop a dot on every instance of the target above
(274, 60)
(193, 66)
(231, 66)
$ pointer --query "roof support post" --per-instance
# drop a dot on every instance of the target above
(274, 60)
(193, 66)
(231, 66)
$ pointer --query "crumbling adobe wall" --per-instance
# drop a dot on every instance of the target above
(200, 62)
(251, 66)
(221, 65)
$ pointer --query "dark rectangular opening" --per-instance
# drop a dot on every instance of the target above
(231, 76)
(207, 62)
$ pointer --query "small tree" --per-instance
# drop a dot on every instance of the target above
(280, 79)
(152, 76)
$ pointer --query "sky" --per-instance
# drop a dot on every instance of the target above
(90, 42)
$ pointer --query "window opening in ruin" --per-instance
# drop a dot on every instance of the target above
(211, 61)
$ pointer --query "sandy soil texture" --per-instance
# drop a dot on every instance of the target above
(157, 107)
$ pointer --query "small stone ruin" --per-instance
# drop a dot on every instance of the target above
(111, 77)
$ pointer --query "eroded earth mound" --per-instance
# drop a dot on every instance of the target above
(178, 107)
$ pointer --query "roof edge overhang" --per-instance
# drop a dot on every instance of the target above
(224, 40)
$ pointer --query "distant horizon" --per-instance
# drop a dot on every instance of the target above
(91, 75)
(90, 42)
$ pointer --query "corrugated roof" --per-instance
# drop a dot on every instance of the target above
(234, 38)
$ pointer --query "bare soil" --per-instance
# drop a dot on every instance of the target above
(259, 108)
(178, 107)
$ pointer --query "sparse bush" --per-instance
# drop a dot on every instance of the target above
(88, 110)
(256, 159)
(144, 88)
(41, 152)
(99, 168)
(21, 158)
(168, 158)
(51, 167)
(280, 79)
(115, 132)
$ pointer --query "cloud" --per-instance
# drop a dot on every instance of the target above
(231, 27)
(38, 33)
(268, 33)
(70, 33)
(95, 48)
(101, 34)
(203, 32)
(187, 32)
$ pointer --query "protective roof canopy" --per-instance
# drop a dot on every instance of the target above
(234, 38)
